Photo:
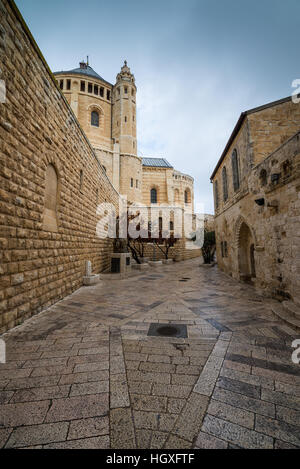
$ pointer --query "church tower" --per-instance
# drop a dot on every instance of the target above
(124, 112)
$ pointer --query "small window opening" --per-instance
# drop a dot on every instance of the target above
(96, 90)
(101, 92)
(61, 84)
(68, 84)
(82, 86)
(90, 87)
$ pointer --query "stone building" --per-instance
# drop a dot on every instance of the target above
(107, 114)
(63, 151)
(257, 200)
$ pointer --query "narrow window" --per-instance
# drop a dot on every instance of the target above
(119, 91)
(216, 194)
(108, 95)
(133, 118)
(187, 196)
(225, 186)
(225, 249)
(68, 84)
(61, 84)
(125, 118)
(263, 177)
(96, 90)
(82, 86)
(95, 118)
(222, 248)
(101, 92)
(90, 88)
(81, 181)
(153, 196)
(160, 224)
(235, 170)
(171, 226)
(51, 196)
(126, 90)
(131, 182)
(132, 92)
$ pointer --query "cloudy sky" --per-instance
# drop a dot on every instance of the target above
(198, 64)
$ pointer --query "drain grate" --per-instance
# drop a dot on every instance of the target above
(168, 330)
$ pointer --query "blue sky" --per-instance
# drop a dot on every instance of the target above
(198, 64)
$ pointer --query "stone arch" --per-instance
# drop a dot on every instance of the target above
(245, 247)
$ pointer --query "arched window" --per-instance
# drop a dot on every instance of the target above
(263, 177)
(225, 186)
(153, 196)
(187, 196)
(95, 118)
(51, 197)
(216, 187)
(235, 170)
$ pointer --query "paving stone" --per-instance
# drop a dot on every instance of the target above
(188, 370)
(284, 445)
(186, 380)
(89, 376)
(38, 435)
(140, 387)
(287, 389)
(40, 394)
(231, 414)
(288, 415)
(278, 429)
(143, 438)
(28, 413)
(119, 396)
(84, 367)
(170, 390)
(159, 359)
(158, 440)
(248, 378)
(76, 408)
(236, 434)
(52, 370)
(206, 441)
(95, 387)
(160, 378)
(175, 405)
(89, 427)
(122, 429)
(174, 442)
(244, 402)
(147, 420)
(101, 442)
(239, 386)
(4, 435)
(280, 398)
(189, 422)
(166, 422)
(151, 403)
(157, 367)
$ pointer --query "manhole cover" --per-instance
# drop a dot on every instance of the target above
(168, 330)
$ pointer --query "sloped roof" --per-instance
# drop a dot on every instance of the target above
(239, 125)
(156, 162)
(88, 72)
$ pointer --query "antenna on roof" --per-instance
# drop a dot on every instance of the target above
(87, 59)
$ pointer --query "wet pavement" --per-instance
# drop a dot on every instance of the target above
(86, 374)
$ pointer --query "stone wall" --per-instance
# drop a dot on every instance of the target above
(38, 129)
(273, 228)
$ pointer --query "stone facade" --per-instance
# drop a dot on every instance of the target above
(55, 169)
(43, 256)
(257, 200)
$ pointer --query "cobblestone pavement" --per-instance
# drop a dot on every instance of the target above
(85, 374)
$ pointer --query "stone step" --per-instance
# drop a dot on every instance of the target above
(285, 315)
(292, 308)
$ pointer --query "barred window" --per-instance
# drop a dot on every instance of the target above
(216, 194)
(235, 170)
(95, 118)
(153, 196)
(225, 184)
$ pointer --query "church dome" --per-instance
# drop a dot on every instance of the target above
(84, 70)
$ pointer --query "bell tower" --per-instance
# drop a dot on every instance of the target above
(124, 112)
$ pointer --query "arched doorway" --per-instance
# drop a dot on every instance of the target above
(246, 254)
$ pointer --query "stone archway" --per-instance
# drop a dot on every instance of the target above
(246, 249)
